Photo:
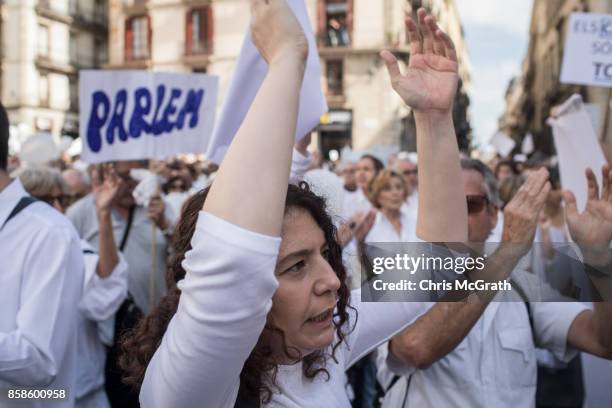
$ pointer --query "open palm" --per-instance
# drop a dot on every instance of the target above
(105, 188)
(592, 229)
(430, 82)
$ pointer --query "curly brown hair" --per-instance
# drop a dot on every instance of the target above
(258, 376)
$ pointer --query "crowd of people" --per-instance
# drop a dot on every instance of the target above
(180, 283)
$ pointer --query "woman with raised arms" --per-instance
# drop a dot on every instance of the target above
(258, 313)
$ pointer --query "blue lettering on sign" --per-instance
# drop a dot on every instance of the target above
(116, 122)
(142, 101)
(167, 116)
(96, 121)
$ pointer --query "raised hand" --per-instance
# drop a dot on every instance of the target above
(430, 83)
(104, 187)
(275, 30)
(522, 213)
(592, 229)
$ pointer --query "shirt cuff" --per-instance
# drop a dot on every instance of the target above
(209, 224)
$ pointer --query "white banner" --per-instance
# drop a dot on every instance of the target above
(587, 58)
(250, 71)
(130, 115)
(577, 148)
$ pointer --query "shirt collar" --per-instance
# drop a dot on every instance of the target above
(9, 197)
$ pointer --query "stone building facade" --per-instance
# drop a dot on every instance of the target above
(206, 36)
(43, 44)
(531, 96)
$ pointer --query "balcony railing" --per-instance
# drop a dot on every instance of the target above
(94, 18)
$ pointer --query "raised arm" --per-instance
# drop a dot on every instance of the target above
(591, 331)
(429, 87)
(446, 324)
(104, 188)
(255, 170)
(229, 272)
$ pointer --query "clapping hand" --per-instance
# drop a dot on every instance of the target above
(592, 229)
(430, 83)
(522, 213)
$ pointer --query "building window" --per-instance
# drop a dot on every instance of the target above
(43, 90)
(43, 40)
(100, 15)
(74, 94)
(334, 75)
(138, 38)
(199, 31)
(73, 45)
(101, 52)
(335, 22)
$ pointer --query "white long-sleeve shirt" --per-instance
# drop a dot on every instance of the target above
(41, 279)
(101, 299)
(226, 296)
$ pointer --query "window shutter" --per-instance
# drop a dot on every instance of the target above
(189, 33)
(149, 37)
(128, 40)
(321, 21)
(210, 29)
(349, 19)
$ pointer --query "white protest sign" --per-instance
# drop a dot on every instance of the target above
(577, 148)
(250, 72)
(130, 115)
(587, 58)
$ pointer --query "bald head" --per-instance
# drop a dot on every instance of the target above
(77, 185)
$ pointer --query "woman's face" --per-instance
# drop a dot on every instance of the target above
(365, 172)
(392, 196)
(304, 302)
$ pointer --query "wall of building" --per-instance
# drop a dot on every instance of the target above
(377, 112)
(76, 38)
(538, 89)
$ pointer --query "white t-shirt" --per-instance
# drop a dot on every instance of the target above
(226, 296)
(40, 284)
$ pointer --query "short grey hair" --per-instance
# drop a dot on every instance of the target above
(40, 181)
(489, 185)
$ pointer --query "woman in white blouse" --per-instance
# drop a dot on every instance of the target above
(393, 223)
(257, 311)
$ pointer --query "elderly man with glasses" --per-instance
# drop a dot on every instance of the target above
(480, 352)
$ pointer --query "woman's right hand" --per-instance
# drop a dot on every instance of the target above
(276, 31)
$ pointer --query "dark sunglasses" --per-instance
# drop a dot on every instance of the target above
(410, 172)
(476, 203)
(51, 199)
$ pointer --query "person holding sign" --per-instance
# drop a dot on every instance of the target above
(261, 314)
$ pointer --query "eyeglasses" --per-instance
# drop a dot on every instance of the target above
(476, 203)
(410, 172)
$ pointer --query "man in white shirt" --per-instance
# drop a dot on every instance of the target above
(40, 287)
(481, 354)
